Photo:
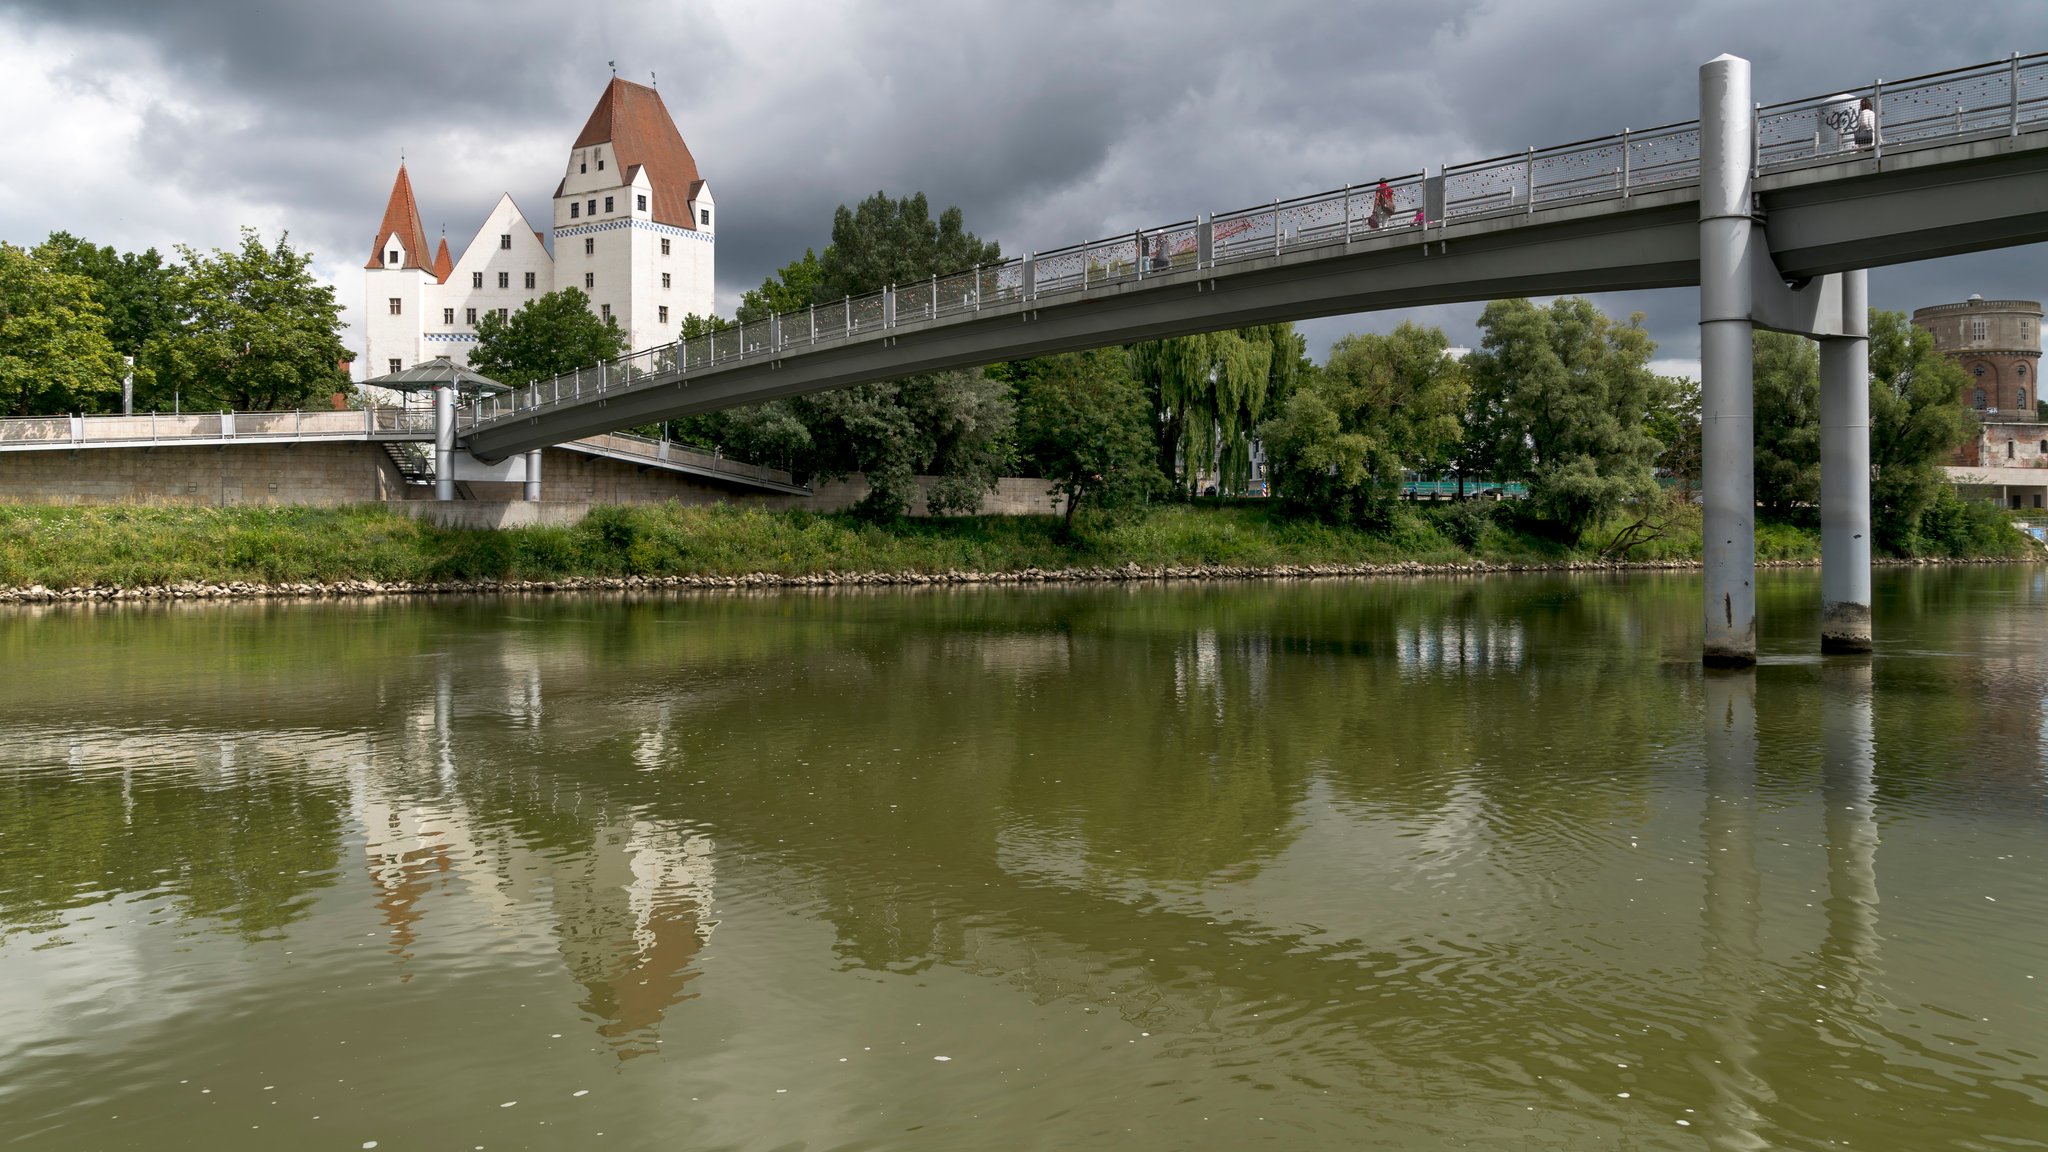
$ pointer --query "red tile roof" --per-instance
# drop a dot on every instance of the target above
(401, 219)
(444, 265)
(633, 120)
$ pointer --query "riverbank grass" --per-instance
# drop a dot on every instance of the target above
(130, 546)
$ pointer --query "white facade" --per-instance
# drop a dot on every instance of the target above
(633, 229)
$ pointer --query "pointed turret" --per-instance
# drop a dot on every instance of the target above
(444, 265)
(402, 224)
(633, 120)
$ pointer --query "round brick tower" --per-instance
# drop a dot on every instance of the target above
(1998, 342)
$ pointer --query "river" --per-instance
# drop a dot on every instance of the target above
(1405, 864)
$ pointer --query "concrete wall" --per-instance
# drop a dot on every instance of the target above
(355, 473)
(344, 473)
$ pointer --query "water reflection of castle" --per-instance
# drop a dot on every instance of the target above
(629, 913)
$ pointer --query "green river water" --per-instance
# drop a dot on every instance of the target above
(1406, 864)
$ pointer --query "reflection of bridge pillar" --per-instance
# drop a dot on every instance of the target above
(1727, 416)
(1848, 792)
(444, 443)
(1732, 915)
(1845, 475)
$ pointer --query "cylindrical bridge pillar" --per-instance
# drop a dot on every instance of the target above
(1727, 417)
(533, 474)
(1845, 475)
(444, 443)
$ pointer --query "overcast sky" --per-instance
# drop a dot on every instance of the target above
(159, 122)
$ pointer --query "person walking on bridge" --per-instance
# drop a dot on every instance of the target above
(1382, 205)
(1866, 123)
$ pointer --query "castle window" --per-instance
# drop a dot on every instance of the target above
(589, 246)
(2020, 370)
(529, 279)
(607, 205)
(396, 364)
(504, 279)
(469, 317)
(1977, 399)
(600, 164)
(664, 245)
(590, 206)
(504, 313)
(2022, 396)
(1977, 370)
(2009, 449)
(640, 202)
(664, 279)
(582, 168)
(575, 210)
(590, 279)
(663, 313)
(391, 258)
(1980, 330)
(706, 215)
(505, 241)
(447, 315)
(397, 305)
(604, 311)
(476, 279)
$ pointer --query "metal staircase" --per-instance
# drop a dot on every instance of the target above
(414, 464)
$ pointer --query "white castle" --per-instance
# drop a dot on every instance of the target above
(632, 229)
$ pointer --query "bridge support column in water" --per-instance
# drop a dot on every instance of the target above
(1845, 474)
(1727, 417)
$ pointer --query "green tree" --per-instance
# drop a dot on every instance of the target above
(1381, 405)
(54, 353)
(134, 288)
(255, 331)
(548, 336)
(1786, 387)
(1562, 396)
(1916, 422)
(1209, 393)
(1676, 425)
(1083, 423)
(790, 290)
(881, 241)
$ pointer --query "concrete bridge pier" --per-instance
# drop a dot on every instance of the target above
(1727, 418)
(1845, 474)
(532, 491)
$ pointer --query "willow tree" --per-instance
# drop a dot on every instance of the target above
(1209, 393)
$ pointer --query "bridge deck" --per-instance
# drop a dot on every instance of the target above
(1959, 164)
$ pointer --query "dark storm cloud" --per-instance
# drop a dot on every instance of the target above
(1046, 122)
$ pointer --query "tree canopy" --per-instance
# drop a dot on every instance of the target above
(255, 331)
(55, 356)
(1786, 388)
(1561, 399)
(1209, 392)
(1083, 423)
(549, 335)
(881, 241)
(133, 288)
(792, 289)
(1381, 405)
(1916, 422)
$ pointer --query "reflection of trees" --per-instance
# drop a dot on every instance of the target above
(248, 849)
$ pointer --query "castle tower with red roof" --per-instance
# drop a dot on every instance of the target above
(634, 220)
(632, 230)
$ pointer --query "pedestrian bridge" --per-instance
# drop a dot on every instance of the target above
(1958, 162)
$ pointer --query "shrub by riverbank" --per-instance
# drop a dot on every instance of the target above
(133, 547)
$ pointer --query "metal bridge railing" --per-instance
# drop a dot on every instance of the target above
(2002, 97)
(23, 432)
